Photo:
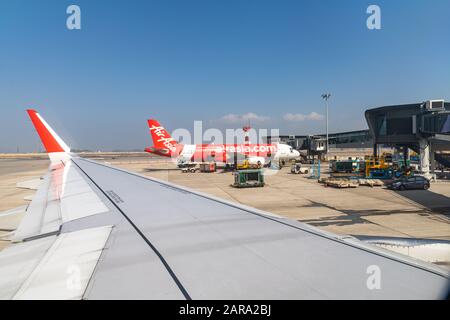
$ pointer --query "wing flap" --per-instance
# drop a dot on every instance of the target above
(65, 270)
(18, 261)
(54, 267)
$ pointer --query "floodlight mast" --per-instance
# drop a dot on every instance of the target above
(326, 97)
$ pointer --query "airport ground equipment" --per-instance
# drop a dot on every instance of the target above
(345, 166)
(298, 168)
(248, 178)
(208, 167)
(315, 170)
(341, 183)
(381, 173)
(190, 168)
(246, 164)
(371, 182)
(377, 168)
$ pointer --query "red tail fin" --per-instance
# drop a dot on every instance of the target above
(161, 138)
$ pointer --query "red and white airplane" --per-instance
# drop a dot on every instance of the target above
(258, 154)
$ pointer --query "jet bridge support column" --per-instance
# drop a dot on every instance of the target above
(425, 157)
(433, 176)
(405, 156)
(432, 160)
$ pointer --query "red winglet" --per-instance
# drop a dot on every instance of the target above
(48, 137)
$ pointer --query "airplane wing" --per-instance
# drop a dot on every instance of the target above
(96, 232)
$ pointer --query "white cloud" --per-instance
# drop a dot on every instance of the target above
(314, 116)
(236, 118)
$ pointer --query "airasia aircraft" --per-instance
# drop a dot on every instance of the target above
(258, 154)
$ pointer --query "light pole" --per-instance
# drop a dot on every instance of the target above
(325, 97)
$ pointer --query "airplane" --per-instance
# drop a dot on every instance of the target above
(257, 154)
(93, 231)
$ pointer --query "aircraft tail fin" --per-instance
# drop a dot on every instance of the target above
(161, 138)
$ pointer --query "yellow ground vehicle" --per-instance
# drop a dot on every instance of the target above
(247, 165)
(243, 165)
(376, 167)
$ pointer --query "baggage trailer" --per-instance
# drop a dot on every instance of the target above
(248, 179)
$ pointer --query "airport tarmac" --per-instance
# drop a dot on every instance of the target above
(360, 211)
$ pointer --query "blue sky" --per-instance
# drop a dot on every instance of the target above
(212, 60)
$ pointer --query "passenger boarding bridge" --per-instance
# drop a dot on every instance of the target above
(422, 127)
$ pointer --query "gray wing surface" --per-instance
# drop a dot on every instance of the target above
(149, 239)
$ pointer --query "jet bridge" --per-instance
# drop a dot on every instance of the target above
(423, 127)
